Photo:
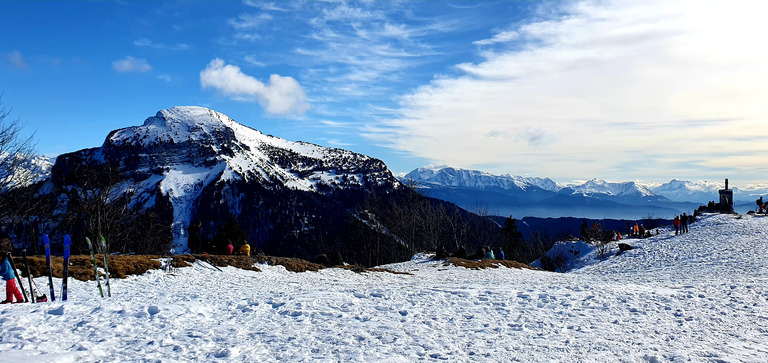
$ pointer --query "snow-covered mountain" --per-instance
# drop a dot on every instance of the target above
(478, 179)
(195, 167)
(29, 170)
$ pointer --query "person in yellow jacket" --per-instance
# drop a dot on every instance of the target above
(245, 250)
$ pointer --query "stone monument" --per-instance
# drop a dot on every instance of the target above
(726, 196)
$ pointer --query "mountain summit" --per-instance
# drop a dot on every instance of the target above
(204, 138)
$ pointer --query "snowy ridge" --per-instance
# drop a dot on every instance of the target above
(28, 172)
(599, 186)
(699, 297)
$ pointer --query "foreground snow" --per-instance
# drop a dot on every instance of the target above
(698, 297)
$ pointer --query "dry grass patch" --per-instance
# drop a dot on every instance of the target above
(80, 266)
(485, 263)
(361, 269)
(290, 264)
(243, 262)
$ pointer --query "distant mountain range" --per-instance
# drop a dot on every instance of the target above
(543, 197)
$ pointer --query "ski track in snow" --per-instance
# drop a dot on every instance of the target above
(691, 298)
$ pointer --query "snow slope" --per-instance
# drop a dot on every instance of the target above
(699, 297)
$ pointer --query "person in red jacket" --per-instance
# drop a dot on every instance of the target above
(229, 248)
(677, 225)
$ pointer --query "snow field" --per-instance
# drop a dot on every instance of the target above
(696, 297)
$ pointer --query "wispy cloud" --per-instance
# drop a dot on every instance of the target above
(144, 42)
(503, 37)
(631, 69)
(281, 96)
(264, 5)
(254, 60)
(249, 21)
(131, 64)
(362, 49)
(17, 60)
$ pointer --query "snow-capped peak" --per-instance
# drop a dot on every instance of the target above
(600, 186)
(177, 125)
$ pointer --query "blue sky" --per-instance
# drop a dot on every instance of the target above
(619, 90)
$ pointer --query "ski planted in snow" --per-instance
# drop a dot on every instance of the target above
(106, 266)
(67, 244)
(37, 297)
(47, 244)
(32, 295)
(18, 278)
(95, 268)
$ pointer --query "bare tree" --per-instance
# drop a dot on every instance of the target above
(17, 154)
(99, 204)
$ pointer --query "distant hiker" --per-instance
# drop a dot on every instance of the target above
(11, 290)
(461, 253)
(440, 253)
(245, 250)
(229, 248)
(490, 255)
(759, 203)
(684, 223)
(636, 230)
(641, 231)
(677, 225)
(501, 254)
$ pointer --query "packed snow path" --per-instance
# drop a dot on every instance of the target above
(696, 297)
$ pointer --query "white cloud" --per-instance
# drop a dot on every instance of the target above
(282, 95)
(613, 89)
(131, 64)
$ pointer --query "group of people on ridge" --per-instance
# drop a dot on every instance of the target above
(639, 231)
(681, 224)
(488, 252)
(244, 250)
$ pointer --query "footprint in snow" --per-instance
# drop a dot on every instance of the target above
(57, 311)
